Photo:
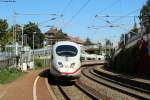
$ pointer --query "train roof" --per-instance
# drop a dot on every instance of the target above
(66, 43)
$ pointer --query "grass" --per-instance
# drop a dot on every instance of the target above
(7, 75)
(41, 63)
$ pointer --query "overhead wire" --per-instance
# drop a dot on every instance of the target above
(68, 4)
(38, 14)
(105, 9)
(108, 16)
(79, 11)
(121, 17)
(64, 9)
(42, 22)
(118, 19)
(110, 6)
(112, 25)
(84, 5)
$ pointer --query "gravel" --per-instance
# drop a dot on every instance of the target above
(71, 90)
(57, 92)
(107, 92)
(75, 93)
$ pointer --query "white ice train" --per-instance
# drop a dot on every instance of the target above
(65, 60)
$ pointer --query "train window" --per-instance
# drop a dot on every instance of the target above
(66, 50)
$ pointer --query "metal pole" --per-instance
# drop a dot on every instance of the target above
(22, 34)
(14, 37)
(22, 46)
(33, 49)
(44, 58)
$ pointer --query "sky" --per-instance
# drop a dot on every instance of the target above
(78, 16)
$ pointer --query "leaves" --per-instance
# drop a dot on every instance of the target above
(145, 16)
(5, 35)
(30, 29)
(3, 26)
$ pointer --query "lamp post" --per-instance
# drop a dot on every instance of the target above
(22, 51)
(22, 35)
(33, 47)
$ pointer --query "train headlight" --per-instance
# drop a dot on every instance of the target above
(60, 64)
(72, 65)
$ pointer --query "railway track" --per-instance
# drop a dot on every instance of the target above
(77, 91)
(139, 86)
(73, 90)
(133, 91)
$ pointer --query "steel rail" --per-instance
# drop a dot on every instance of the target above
(86, 91)
(115, 86)
(122, 81)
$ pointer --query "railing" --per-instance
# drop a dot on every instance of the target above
(135, 37)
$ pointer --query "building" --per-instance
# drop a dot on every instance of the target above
(77, 40)
(51, 36)
(54, 35)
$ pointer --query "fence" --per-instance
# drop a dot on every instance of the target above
(7, 59)
(132, 41)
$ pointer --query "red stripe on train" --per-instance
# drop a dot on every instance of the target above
(70, 72)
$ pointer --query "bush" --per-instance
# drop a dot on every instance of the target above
(40, 63)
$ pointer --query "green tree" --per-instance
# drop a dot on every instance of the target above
(18, 31)
(30, 29)
(3, 26)
(88, 41)
(61, 35)
(5, 35)
(145, 16)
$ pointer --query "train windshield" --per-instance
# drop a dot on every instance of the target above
(66, 50)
